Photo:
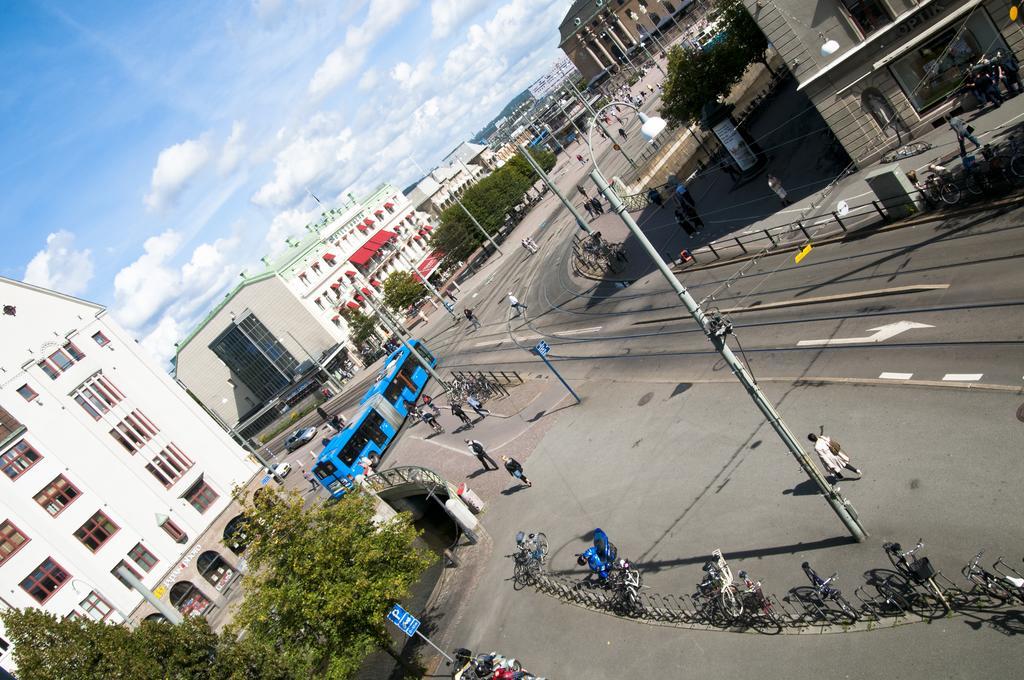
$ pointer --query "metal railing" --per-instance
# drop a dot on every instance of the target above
(426, 478)
(499, 378)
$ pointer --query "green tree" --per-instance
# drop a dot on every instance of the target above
(360, 325)
(401, 289)
(46, 647)
(322, 579)
(746, 41)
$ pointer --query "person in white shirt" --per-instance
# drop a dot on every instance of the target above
(515, 304)
(832, 456)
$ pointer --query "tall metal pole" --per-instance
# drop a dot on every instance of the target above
(572, 121)
(582, 223)
(468, 214)
(316, 362)
(600, 124)
(840, 505)
(426, 284)
(643, 46)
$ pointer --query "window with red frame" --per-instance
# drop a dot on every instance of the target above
(169, 464)
(61, 360)
(100, 339)
(174, 531)
(96, 531)
(19, 459)
(57, 495)
(45, 580)
(142, 557)
(11, 540)
(27, 393)
(134, 431)
(122, 579)
(75, 353)
(96, 608)
(97, 395)
(201, 496)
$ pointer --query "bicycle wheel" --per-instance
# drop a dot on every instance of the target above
(732, 605)
(974, 186)
(541, 541)
(843, 613)
(997, 590)
(1017, 166)
(950, 193)
(631, 596)
(918, 148)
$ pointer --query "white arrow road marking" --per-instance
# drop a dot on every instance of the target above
(963, 377)
(896, 376)
(578, 331)
(881, 334)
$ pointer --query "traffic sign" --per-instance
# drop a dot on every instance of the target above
(405, 621)
(542, 348)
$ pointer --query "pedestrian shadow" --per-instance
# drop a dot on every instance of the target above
(514, 489)
(432, 435)
(462, 428)
(804, 488)
(477, 473)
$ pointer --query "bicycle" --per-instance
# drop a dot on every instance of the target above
(530, 555)
(939, 186)
(717, 596)
(758, 606)
(921, 572)
(822, 590)
(995, 586)
(906, 151)
(889, 600)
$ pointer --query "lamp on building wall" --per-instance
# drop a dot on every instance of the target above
(829, 46)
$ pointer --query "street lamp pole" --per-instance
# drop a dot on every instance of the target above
(582, 223)
(426, 284)
(600, 124)
(643, 46)
(468, 214)
(716, 333)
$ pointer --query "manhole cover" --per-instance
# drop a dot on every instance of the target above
(644, 399)
(1020, 413)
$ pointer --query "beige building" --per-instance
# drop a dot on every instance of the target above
(597, 35)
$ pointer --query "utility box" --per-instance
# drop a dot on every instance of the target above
(894, 191)
(474, 502)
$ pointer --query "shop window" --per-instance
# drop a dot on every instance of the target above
(96, 608)
(867, 15)
(96, 531)
(188, 599)
(27, 393)
(11, 540)
(45, 580)
(201, 496)
(933, 70)
(19, 459)
(57, 495)
(141, 556)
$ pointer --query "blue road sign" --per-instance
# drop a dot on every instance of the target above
(405, 621)
(542, 348)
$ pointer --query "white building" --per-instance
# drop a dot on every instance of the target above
(466, 165)
(106, 462)
(252, 354)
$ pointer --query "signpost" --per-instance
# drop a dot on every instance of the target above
(409, 624)
(541, 349)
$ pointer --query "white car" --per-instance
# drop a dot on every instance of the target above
(282, 469)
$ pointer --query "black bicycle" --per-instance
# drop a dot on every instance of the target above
(919, 571)
(826, 600)
(530, 555)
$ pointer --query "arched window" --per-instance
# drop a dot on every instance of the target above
(215, 569)
(188, 599)
(235, 537)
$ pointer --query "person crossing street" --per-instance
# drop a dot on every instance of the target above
(459, 413)
(832, 456)
(515, 304)
(471, 317)
(478, 450)
(515, 469)
(475, 404)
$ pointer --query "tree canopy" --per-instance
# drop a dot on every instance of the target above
(489, 200)
(46, 647)
(401, 289)
(322, 579)
(360, 325)
(697, 77)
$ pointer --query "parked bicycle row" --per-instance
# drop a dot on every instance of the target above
(912, 587)
(597, 253)
(994, 170)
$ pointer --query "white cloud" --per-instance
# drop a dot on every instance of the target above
(320, 149)
(175, 166)
(288, 223)
(162, 301)
(345, 60)
(369, 80)
(233, 149)
(411, 77)
(445, 15)
(61, 267)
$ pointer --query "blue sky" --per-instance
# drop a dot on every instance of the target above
(154, 150)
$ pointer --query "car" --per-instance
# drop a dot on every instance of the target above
(281, 469)
(299, 437)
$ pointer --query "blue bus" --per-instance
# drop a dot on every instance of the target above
(382, 411)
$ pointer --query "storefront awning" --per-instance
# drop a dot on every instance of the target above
(335, 286)
(350, 273)
(352, 305)
(378, 212)
(429, 265)
(375, 283)
(329, 257)
(335, 317)
(389, 206)
(363, 255)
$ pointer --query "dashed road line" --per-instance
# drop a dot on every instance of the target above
(896, 376)
(579, 331)
(962, 377)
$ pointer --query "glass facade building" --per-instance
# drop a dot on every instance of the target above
(256, 357)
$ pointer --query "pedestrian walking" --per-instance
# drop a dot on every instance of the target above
(683, 196)
(516, 470)
(471, 317)
(459, 413)
(963, 131)
(984, 89)
(478, 450)
(1009, 70)
(583, 192)
(775, 184)
(595, 203)
(475, 404)
(832, 456)
(309, 478)
(581, 159)
(654, 196)
(338, 422)
(515, 304)
(589, 208)
(683, 220)
(324, 416)
(622, 133)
